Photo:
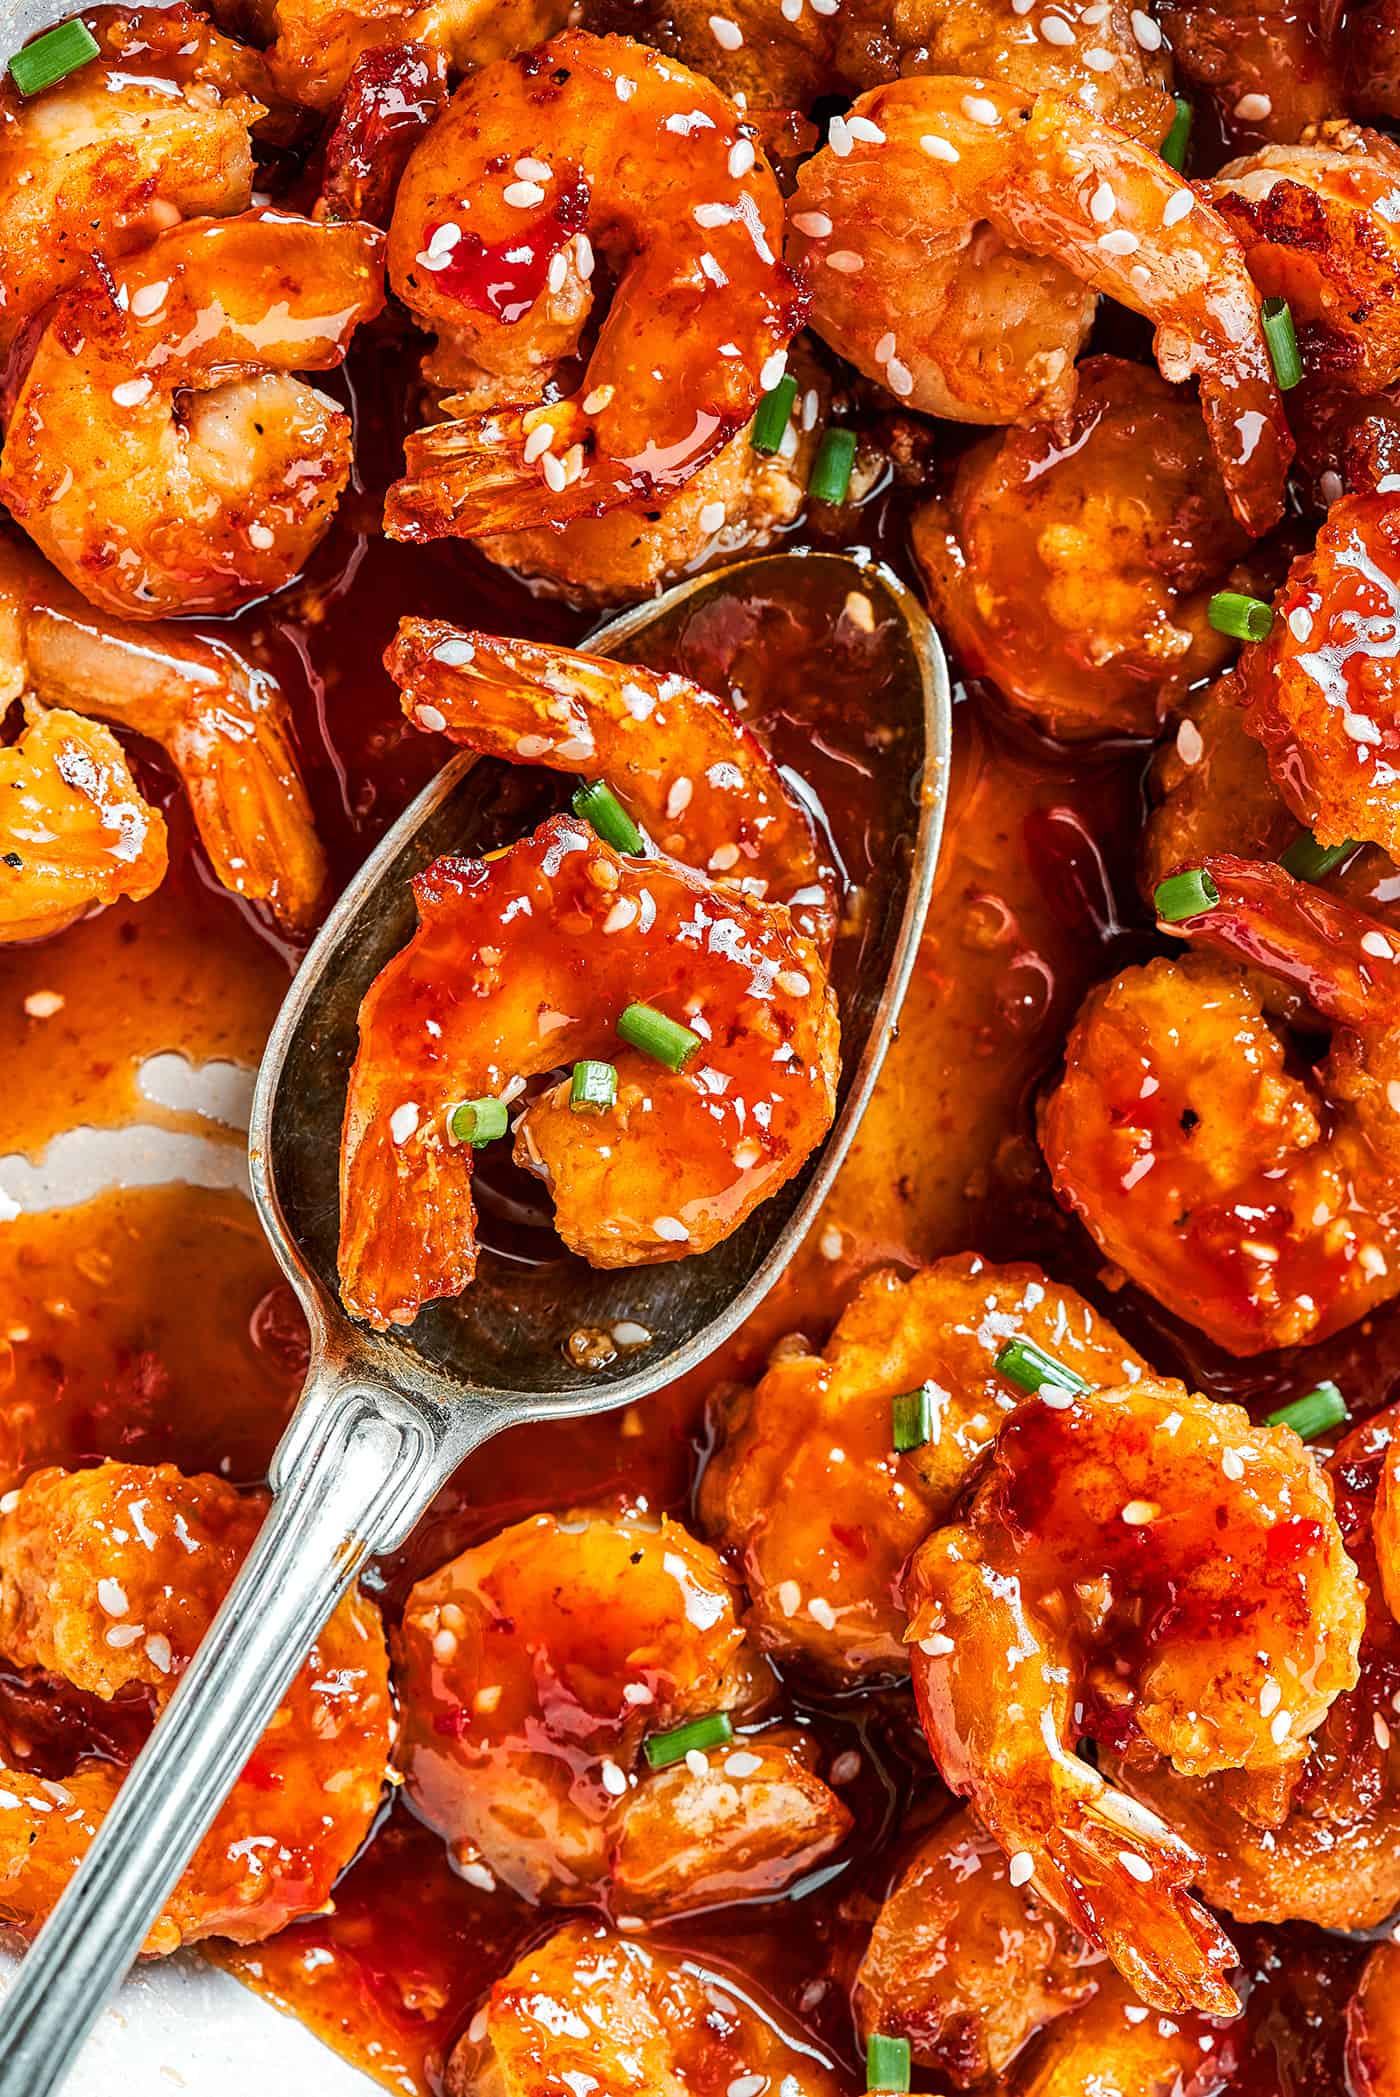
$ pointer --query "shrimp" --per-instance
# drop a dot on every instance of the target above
(1072, 562)
(1257, 1204)
(957, 234)
(679, 760)
(534, 1669)
(223, 723)
(153, 130)
(554, 937)
(1111, 2047)
(590, 142)
(1266, 68)
(963, 1965)
(109, 1579)
(313, 46)
(75, 833)
(1373, 2027)
(592, 2011)
(1149, 1555)
(805, 1492)
(160, 450)
(393, 94)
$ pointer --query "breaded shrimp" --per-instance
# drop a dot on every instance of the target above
(589, 146)
(1373, 2027)
(1258, 1204)
(392, 96)
(1111, 2047)
(1148, 1553)
(1268, 67)
(74, 830)
(109, 1578)
(805, 1491)
(679, 760)
(534, 1668)
(223, 723)
(160, 450)
(523, 965)
(957, 234)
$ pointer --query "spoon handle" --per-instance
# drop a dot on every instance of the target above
(356, 1468)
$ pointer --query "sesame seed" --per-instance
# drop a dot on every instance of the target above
(112, 1596)
(979, 110)
(1270, 1697)
(728, 35)
(444, 1646)
(1232, 1464)
(772, 371)
(861, 127)
(831, 1243)
(1178, 205)
(533, 170)
(1119, 242)
(1148, 35)
(711, 216)
(597, 399)
(523, 196)
(815, 224)
(671, 1229)
(42, 1004)
(1138, 1513)
(557, 272)
(148, 298)
(1103, 203)
(9, 1503)
(1377, 944)
(791, 10)
(838, 137)
(158, 1652)
(1136, 1867)
(624, 88)
(1300, 622)
(487, 1700)
(1281, 1727)
(621, 915)
(537, 443)
(697, 1762)
(431, 718)
(456, 654)
(938, 1647)
(1252, 109)
(403, 1121)
(742, 1764)
(845, 262)
(899, 378)
(1381, 1731)
(884, 348)
(1056, 30)
(636, 1693)
(1190, 744)
(821, 1612)
(846, 1768)
(1021, 1868)
(678, 798)
(479, 1875)
(614, 1782)
(939, 149)
(1099, 61)
(711, 518)
(1392, 1095)
(131, 392)
(789, 1597)
(123, 1635)
(556, 477)
(1330, 487)
(792, 983)
(741, 158)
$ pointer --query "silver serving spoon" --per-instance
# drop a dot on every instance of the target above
(386, 1418)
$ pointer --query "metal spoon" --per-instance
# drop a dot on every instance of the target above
(386, 1418)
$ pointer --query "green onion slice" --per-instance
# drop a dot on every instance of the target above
(1173, 147)
(664, 1040)
(774, 413)
(477, 1121)
(596, 802)
(52, 57)
(1307, 860)
(593, 1088)
(1244, 618)
(662, 1749)
(911, 1418)
(1312, 1414)
(1022, 1362)
(1189, 894)
(831, 475)
(1277, 317)
(886, 2063)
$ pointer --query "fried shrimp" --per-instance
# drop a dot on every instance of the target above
(1258, 1204)
(1268, 66)
(592, 2011)
(153, 130)
(957, 234)
(109, 1579)
(1149, 1555)
(161, 451)
(591, 146)
(313, 46)
(679, 760)
(1072, 562)
(535, 1668)
(523, 965)
(805, 1491)
(74, 830)
(223, 723)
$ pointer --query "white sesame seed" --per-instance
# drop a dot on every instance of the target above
(597, 399)
(530, 170)
(1136, 1867)
(554, 471)
(131, 392)
(938, 1646)
(884, 348)
(431, 718)
(772, 371)
(479, 1875)
(939, 149)
(1178, 205)
(624, 88)
(403, 1121)
(123, 1635)
(1021, 1868)
(1099, 61)
(728, 35)
(1139, 1513)
(792, 983)
(583, 256)
(9, 1503)
(899, 378)
(523, 196)
(148, 298)
(1281, 1727)
(1376, 943)
(747, 2086)
(1232, 1464)
(1103, 203)
(1270, 1697)
(636, 1693)
(537, 442)
(1252, 109)
(1148, 35)
(712, 517)
(614, 1782)
(741, 158)
(789, 1597)
(979, 110)
(158, 1652)
(43, 1004)
(557, 272)
(815, 224)
(791, 10)
(846, 1768)
(444, 1646)
(1190, 744)
(670, 1228)
(621, 915)
(845, 262)
(838, 137)
(697, 1762)
(678, 798)
(1381, 1731)
(1300, 622)
(742, 1764)
(821, 1612)
(1119, 242)
(455, 654)
(861, 127)
(1330, 487)
(112, 1596)
(723, 858)
(1056, 30)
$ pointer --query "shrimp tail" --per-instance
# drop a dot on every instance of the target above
(408, 1221)
(470, 478)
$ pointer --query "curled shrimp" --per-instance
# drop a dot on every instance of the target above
(1110, 2047)
(153, 130)
(223, 723)
(109, 1579)
(592, 2011)
(957, 234)
(160, 450)
(680, 761)
(74, 830)
(590, 142)
(806, 1493)
(555, 936)
(534, 1669)
(1148, 1554)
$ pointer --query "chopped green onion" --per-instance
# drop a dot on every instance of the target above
(1173, 147)
(664, 1040)
(662, 1749)
(1022, 1362)
(1307, 860)
(596, 802)
(886, 2063)
(1243, 618)
(1313, 1413)
(593, 1087)
(1185, 895)
(831, 475)
(52, 57)
(774, 412)
(477, 1121)
(1277, 317)
(911, 1418)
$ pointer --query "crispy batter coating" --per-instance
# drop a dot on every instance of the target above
(74, 830)
(1373, 2027)
(314, 46)
(1268, 66)
(1108, 2047)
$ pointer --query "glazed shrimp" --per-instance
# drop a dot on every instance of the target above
(591, 143)
(957, 242)
(109, 1579)
(153, 130)
(805, 1492)
(1110, 2047)
(1257, 1204)
(1268, 67)
(593, 2011)
(223, 723)
(160, 450)
(74, 831)
(556, 936)
(313, 46)
(534, 1668)
(1149, 1554)
(679, 760)
(1373, 2027)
